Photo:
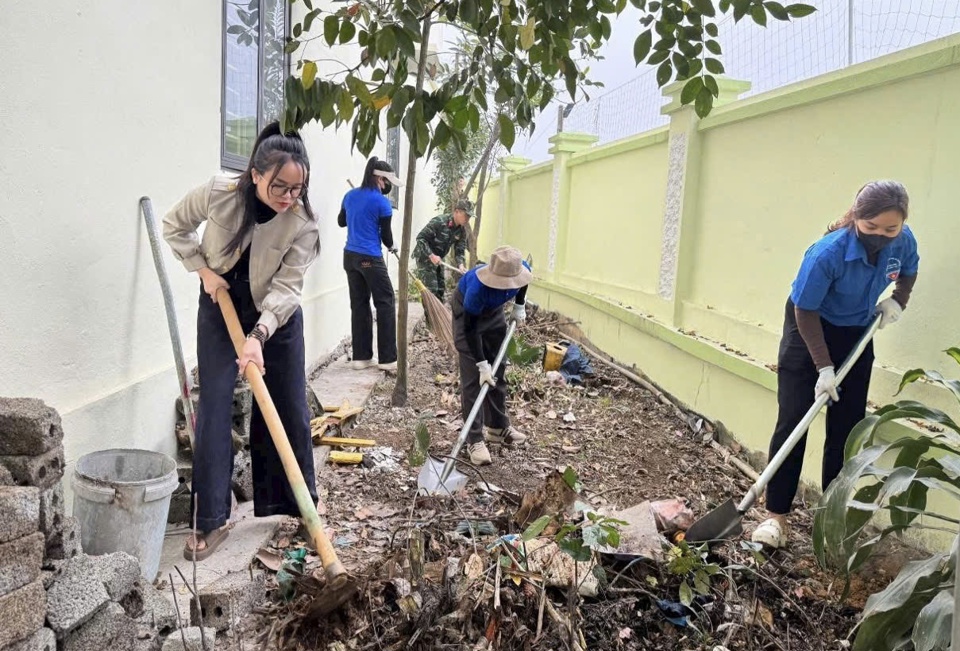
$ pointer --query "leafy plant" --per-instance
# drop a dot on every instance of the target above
(895, 478)
(521, 353)
(690, 564)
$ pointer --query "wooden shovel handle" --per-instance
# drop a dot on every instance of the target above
(336, 573)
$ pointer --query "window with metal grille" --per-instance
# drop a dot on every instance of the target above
(254, 69)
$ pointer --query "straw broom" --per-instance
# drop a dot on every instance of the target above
(439, 317)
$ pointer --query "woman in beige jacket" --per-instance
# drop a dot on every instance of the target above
(259, 240)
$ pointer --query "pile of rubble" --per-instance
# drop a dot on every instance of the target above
(52, 596)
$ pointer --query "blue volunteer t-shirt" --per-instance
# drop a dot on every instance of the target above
(365, 207)
(478, 298)
(836, 280)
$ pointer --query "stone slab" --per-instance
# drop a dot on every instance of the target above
(119, 572)
(28, 426)
(22, 612)
(174, 642)
(75, 596)
(42, 640)
(19, 512)
(20, 562)
(109, 628)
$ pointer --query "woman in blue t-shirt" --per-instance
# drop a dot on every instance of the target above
(366, 213)
(833, 301)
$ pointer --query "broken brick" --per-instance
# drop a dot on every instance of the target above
(19, 512)
(225, 601)
(75, 596)
(22, 612)
(43, 471)
(20, 562)
(28, 427)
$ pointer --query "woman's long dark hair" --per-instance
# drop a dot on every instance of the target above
(271, 151)
(373, 165)
(873, 199)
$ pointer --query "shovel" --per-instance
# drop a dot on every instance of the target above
(339, 586)
(440, 478)
(724, 522)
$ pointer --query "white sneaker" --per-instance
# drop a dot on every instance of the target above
(479, 454)
(770, 533)
(360, 364)
(390, 367)
(508, 436)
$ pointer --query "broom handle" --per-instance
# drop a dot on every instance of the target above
(336, 573)
(448, 465)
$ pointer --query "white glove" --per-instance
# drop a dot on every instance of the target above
(519, 313)
(486, 373)
(890, 311)
(827, 384)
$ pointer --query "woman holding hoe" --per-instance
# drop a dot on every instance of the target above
(260, 238)
(833, 302)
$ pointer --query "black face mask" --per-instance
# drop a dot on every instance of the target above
(874, 243)
(387, 187)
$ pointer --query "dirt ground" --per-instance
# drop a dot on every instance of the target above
(626, 446)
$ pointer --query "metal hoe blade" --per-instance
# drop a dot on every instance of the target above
(722, 523)
(430, 479)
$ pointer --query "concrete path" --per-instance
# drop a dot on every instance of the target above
(334, 385)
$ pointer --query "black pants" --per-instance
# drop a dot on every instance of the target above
(284, 360)
(796, 381)
(367, 276)
(492, 327)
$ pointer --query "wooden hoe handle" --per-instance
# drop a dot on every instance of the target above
(336, 573)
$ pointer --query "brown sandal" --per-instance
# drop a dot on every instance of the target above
(212, 540)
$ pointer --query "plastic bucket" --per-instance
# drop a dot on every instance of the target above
(121, 501)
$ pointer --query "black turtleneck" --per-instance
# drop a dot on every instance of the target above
(241, 270)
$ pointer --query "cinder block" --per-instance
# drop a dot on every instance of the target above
(64, 544)
(19, 512)
(228, 599)
(119, 573)
(180, 506)
(158, 611)
(51, 509)
(148, 640)
(42, 640)
(110, 628)
(28, 427)
(75, 596)
(20, 562)
(174, 642)
(43, 471)
(6, 479)
(242, 481)
(22, 612)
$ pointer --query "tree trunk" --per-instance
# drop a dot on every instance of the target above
(478, 215)
(400, 389)
(482, 163)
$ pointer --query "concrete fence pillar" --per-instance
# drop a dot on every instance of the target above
(509, 165)
(565, 144)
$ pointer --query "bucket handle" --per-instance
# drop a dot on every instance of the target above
(161, 489)
(95, 493)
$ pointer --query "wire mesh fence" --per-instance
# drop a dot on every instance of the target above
(839, 34)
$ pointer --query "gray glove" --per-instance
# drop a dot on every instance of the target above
(519, 313)
(827, 384)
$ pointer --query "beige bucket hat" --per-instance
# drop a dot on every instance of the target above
(505, 270)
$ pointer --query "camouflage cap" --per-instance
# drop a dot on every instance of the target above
(466, 206)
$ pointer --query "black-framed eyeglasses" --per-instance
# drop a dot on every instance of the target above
(278, 190)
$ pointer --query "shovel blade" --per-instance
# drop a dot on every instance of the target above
(722, 523)
(428, 481)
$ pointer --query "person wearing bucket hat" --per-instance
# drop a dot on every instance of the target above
(434, 242)
(366, 214)
(479, 328)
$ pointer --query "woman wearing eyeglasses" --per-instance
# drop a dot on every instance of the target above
(260, 238)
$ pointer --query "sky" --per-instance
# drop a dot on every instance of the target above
(769, 58)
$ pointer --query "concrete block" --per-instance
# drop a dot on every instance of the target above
(19, 512)
(228, 599)
(158, 611)
(42, 640)
(242, 481)
(75, 596)
(109, 628)
(64, 544)
(22, 612)
(174, 641)
(119, 573)
(20, 562)
(43, 471)
(6, 479)
(28, 427)
(51, 509)
(148, 640)
(313, 403)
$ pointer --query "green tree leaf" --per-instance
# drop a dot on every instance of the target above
(932, 630)
(704, 102)
(777, 10)
(347, 31)
(331, 29)
(690, 90)
(507, 133)
(759, 15)
(642, 45)
(705, 7)
(686, 594)
(309, 74)
(714, 66)
(800, 10)
(537, 527)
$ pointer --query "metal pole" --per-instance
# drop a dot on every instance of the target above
(850, 32)
(560, 119)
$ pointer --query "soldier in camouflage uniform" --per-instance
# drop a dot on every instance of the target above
(434, 242)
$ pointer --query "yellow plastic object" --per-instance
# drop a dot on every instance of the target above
(553, 356)
(356, 443)
(346, 457)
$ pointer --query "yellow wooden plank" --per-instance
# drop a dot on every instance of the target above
(357, 443)
(346, 457)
